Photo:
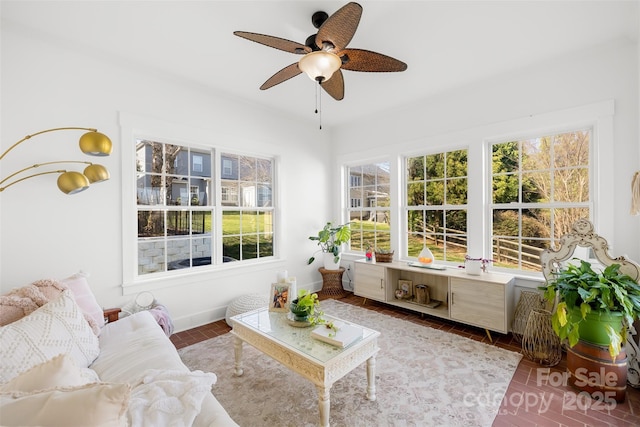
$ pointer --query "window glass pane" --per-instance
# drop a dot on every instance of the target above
(231, 222)
(177, 190)
(265, 242)
(415, 169)
(571, 149)
(249, 247)
(248, 222)
(264, 170)
(265, 222)
(178, 253)
(150, 224)
(231, 247)
(457, 191)
(506, 157)
(176, 160)
(201, 251)
(536, 187)
(247, 168)
(457, 163)
(264, 195)
(506, 188)
(248, 192)
(178, 223)
(571, 185)
(435, 193)
(199, 192)
(415, 194)
(149, 190)
(201, 222)
(229, 192)
(149, 157)
(382, 196)
(151, 256)
(435, 166)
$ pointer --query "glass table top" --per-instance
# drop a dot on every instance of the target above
(278, 326)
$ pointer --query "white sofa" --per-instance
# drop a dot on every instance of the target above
(61, 368)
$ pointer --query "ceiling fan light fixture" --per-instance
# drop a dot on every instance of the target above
(320, 65)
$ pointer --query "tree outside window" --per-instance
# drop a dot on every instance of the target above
(540, 187)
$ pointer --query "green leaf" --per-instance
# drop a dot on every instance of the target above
(574, 335)
(616, 342)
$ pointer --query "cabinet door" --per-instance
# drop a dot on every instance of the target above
(479, 303)
(369, 281)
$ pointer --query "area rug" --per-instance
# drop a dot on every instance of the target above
(424, 377)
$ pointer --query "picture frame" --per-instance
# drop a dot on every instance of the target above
(406, 286)
(279, 297)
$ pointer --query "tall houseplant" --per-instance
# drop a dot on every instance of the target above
(330, 239)
(597, 307)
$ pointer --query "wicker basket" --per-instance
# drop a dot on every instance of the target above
(386, 257)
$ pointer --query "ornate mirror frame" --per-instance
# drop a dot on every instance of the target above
(582, 234)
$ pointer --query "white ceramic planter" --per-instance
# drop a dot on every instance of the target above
(329, 263)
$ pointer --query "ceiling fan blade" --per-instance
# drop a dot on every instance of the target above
(340, 27)
(334, 86)
(364, 60)
(285, 74)
(275, 42)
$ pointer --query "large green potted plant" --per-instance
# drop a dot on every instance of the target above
(596, 307)
(330, 239)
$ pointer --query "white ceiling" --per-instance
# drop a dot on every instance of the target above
(446, 44)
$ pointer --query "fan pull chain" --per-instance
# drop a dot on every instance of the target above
(319, 103)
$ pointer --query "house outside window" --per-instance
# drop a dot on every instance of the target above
(540, 187)
(247, 206)
(176, 208)
(369, 207)
(436, 204)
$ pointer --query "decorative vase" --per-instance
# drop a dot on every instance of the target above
(528, 301)
(473, 267)
(329, 261)
(300, 314)
(425, 256)
(539, 341)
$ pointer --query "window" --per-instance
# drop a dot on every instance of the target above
(436, 199)
(176, 207)
(247, 207)
(540, 187)
(173, 208)
(369, 210)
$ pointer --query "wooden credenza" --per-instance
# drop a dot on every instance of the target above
(484, 301)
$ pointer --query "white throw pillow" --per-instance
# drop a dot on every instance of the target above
(61, 371)
(86, 300)
(96, 405)
(56, 327)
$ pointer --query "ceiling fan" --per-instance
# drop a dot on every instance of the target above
(326, 53)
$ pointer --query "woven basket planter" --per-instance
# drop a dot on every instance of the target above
(380, 257)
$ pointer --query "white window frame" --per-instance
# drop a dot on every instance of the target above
(134, 126)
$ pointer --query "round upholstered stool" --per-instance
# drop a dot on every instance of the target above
(245, 303)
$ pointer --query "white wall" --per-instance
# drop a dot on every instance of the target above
(466, 115)
(46, 234)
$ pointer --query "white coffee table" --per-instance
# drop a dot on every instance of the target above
(321, 363)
